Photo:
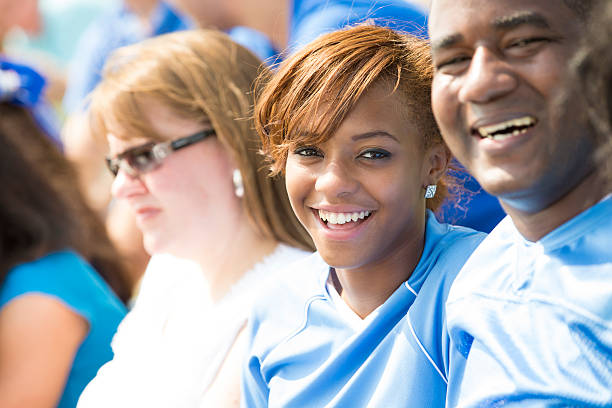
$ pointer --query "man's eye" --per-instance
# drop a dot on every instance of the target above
(452, 63)
(375, 154)
(524, 42)
(307, 151)
(526, 47)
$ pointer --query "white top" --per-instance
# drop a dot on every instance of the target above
(170, 347)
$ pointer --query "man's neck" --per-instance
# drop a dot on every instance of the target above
(534, 226)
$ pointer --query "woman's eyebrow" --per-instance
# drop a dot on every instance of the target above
(375, 133)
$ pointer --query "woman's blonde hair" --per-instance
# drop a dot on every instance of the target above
(201, 75)
(317, 88)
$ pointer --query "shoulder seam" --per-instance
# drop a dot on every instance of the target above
(304, 318)
(426, 353)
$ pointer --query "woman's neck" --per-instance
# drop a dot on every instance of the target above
(366, 288)
(224, 268)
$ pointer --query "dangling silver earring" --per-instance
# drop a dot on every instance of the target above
(430, 191)
(238, 185)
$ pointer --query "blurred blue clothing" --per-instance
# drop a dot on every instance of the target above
(308, 349)
(116, 28)
(311, 18)
(120, 27)
(25, 88)
(533, 320)
(255, 41)
(68, 278)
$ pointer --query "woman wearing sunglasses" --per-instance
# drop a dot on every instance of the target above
(175, 111)
(348, 120)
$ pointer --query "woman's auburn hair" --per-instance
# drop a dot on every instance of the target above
(201, 75)
(42, 209)
(317, 88)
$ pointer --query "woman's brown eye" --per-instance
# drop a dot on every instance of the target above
(307, 151)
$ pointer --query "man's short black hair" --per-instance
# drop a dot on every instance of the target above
(581, 7)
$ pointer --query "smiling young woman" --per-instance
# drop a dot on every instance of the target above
(348, 121)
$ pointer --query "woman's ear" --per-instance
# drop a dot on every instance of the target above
(436, 162)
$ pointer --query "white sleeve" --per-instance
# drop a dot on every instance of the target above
(121, 381)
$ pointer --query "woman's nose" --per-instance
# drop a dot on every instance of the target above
(125, 185)
(336, 180)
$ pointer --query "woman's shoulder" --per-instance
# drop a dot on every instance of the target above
(447, 248)
(451, 242)
(48, 273)
(291, 286)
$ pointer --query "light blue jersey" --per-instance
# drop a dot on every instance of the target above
(305, 351)
(533, 320)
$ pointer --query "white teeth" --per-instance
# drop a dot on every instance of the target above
(342, 218)
(487, 131)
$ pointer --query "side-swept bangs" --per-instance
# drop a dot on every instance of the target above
(315, 89)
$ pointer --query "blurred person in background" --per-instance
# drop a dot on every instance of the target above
(128, 22)
(26, 15)
(46, 36)
(174, 110)
(290, 24)
(58, 269)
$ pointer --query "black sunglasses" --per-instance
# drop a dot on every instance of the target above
(149, 156)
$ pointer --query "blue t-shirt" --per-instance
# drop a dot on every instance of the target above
(533, 320)
(68, 278)
(311, 18)
(305, 351)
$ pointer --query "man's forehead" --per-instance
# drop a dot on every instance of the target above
(449, 17)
